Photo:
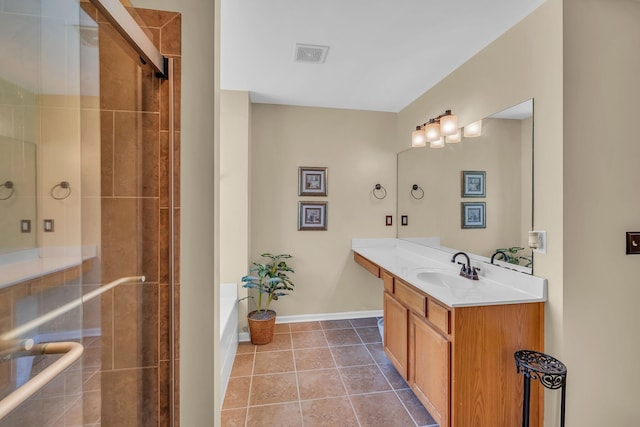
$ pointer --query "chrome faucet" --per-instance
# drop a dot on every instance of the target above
(505, 257)
(466, 270)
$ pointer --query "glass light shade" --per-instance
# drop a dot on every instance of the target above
(418, 138)
(456, 137)
(473, 129)
(432, 131)
(448, 124)
(438, 143)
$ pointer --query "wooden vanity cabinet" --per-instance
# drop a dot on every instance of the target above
(429, 373)
(459, 360)
(396, 324)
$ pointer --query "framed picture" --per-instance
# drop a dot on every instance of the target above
(473, 184)
(474, 215)
(312, 215)
(312, 181)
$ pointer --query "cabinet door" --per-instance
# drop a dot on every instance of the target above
(429, 361)
(395, 333)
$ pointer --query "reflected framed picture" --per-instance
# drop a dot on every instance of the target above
(473, 215)
(312, 181)
(312, 216)
(473, 184)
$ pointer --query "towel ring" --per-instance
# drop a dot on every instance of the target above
(9, 186)
(417, 190)
(63, 185)
(379, 190)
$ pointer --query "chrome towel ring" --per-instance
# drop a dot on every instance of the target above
(58, 194)
(379, 192)
(7, 185)
(417, 192)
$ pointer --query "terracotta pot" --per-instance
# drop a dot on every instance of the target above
(261, 326)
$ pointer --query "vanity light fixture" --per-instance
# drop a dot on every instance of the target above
(434, 130)
(452, 139)
(418, 138)
(439, 143)
(473, 130)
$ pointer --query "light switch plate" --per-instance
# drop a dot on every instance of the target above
(633, 242)
(538, 241)
(48, 225)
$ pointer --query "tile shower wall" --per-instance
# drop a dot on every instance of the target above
(135, 214)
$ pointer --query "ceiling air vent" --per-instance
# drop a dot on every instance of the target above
(309, 53)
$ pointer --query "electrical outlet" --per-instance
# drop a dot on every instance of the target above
(49, 225)
(25, 225)
(389, 220)
(633, 242)
(404, 220)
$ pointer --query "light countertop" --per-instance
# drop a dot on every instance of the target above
(497, 285)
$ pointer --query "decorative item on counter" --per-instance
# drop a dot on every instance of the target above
(379, 192)
(312, 216)
(417, 192)
(271, 281)
(512, 256)
(473, 184)
(312, 181)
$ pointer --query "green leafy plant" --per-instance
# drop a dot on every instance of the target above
(514, 258)
(270, 279)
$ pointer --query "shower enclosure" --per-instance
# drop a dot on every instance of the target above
(89, 210)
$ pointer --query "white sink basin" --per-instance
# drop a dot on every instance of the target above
(446, 280)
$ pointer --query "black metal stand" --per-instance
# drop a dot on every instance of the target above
(551, 372)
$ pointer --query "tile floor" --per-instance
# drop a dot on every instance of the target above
(329, 373)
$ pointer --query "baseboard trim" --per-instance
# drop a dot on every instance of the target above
(244, 336)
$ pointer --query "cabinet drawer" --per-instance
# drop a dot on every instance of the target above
(439, 316)
(368, 265)
(410, 298)
(388, 281)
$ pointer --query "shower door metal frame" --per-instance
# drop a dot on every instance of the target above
(119, 17)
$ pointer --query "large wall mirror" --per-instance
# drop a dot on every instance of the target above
(41, 96)
(497, 210)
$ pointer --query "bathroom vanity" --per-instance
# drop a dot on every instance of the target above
(452, 338)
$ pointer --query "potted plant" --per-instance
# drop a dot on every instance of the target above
(514, 258)
(271, 281)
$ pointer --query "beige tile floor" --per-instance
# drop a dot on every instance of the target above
(329, 373)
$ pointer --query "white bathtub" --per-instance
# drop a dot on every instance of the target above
(228, 331)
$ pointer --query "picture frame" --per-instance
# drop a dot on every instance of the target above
(312, 181)
(312, 216)
(473, 215)
(474, 184)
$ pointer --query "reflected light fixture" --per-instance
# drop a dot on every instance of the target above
(439, 143)
(456, 137)
(435, 130)
(418, 138)
(473, 130)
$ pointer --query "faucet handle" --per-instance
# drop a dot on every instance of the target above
(474, 273)
(463, 269)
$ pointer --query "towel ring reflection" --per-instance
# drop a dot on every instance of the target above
(9, 186)
(379, 192)
(62, 185)
(417, 192)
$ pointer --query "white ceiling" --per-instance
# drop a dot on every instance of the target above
(383, 53)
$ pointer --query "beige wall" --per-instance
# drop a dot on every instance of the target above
(525, 62)
(357, 147)
(498, 153)
(235, 133)
(601, 176)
